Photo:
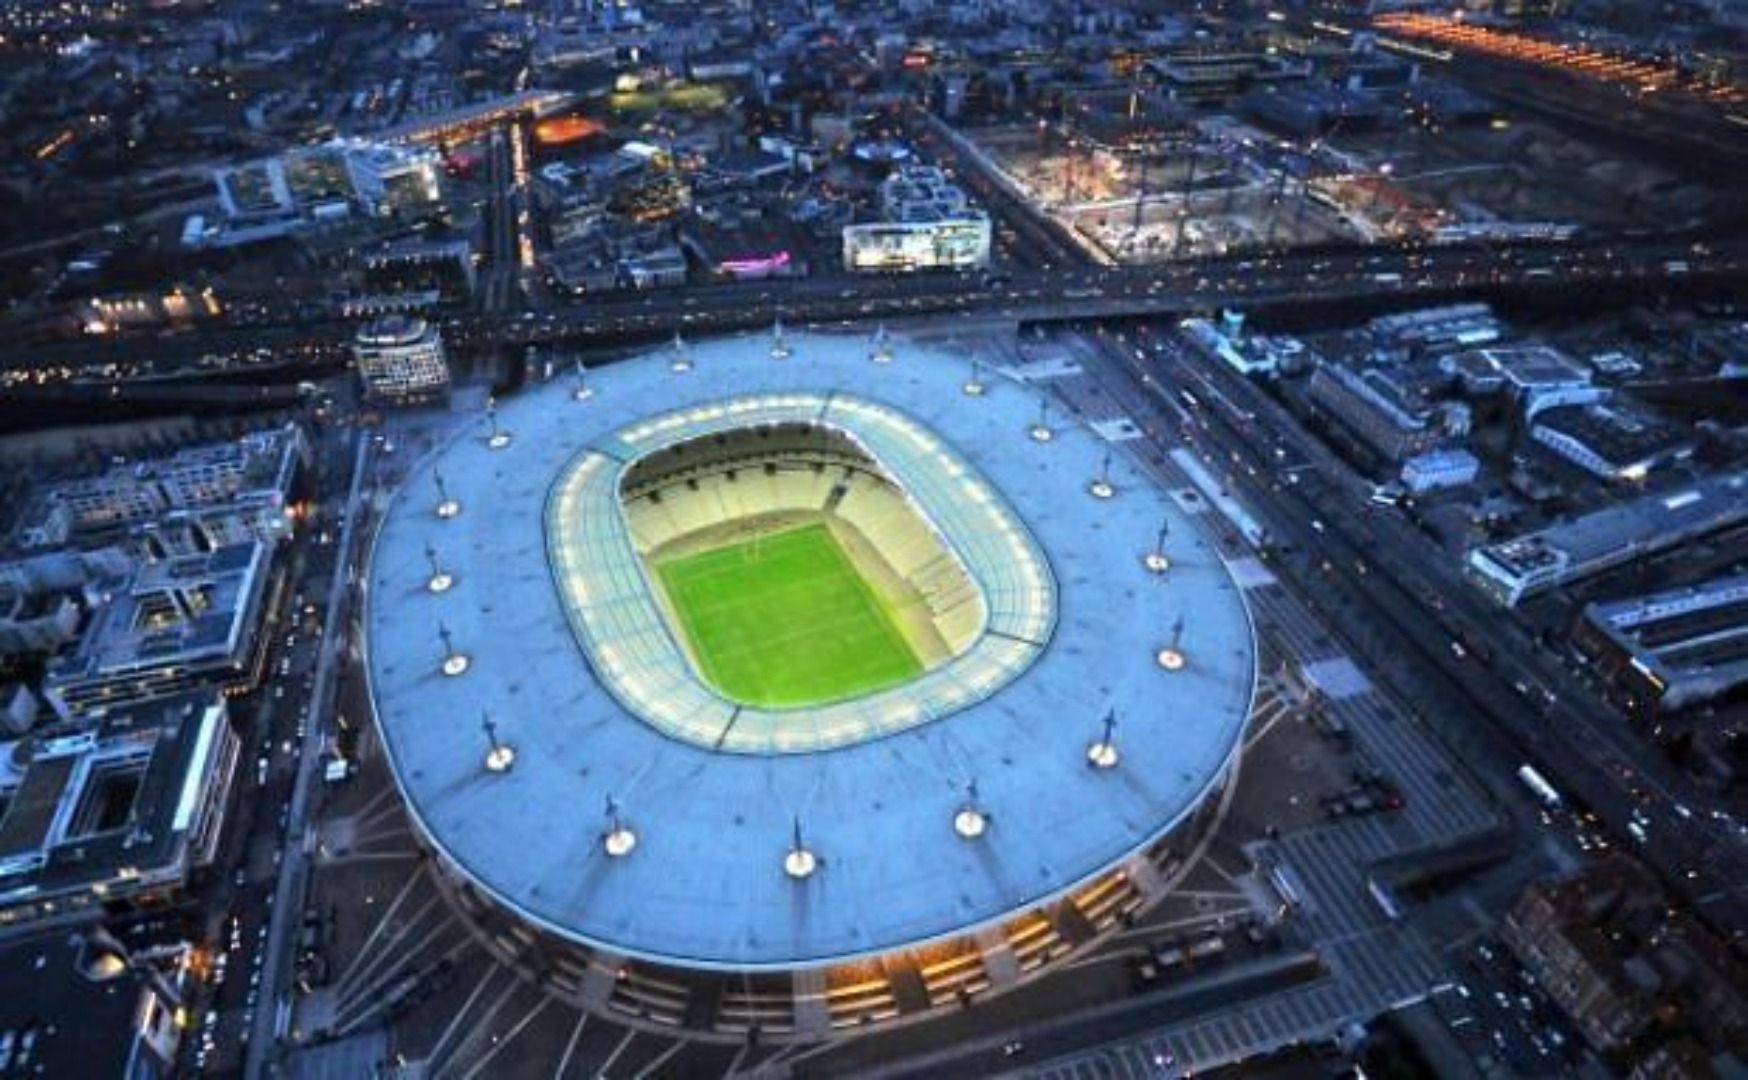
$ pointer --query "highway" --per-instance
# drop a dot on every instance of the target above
(1408, 275)
(1415, 604)
(1092, 292)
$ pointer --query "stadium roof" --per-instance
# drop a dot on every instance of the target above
(704, 886)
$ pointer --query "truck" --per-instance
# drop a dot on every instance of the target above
(1545, 793)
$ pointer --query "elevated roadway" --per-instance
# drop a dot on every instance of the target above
(1364, 275)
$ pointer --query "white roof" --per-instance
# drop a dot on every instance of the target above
(704, 886)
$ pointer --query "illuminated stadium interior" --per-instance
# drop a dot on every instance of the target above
(955, 598)
(793, 570)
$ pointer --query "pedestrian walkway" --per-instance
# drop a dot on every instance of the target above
(1375, 963)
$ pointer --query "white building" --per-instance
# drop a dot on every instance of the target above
(929, 224)
(250, 477)
(959, 244)
(1439, 469)
(1522, 566)
(401, 360)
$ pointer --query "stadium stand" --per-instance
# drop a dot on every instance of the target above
(702, 495)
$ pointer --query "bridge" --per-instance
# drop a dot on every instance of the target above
(1379, 276)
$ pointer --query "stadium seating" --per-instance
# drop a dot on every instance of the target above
(705, 494)
(699, 502)
(743, 486)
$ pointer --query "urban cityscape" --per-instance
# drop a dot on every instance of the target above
(882, 539)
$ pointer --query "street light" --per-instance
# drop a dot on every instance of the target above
(974, 385)
(1156, 560)
(454, 663)
(1171, 658)
(618, 841)
(498, 438)
(1101, 487)
(499, 755)
(446, 507)
(1103, 753)
(970, 822)
(1040, 431)
(881, 347)
(799, 863)
(780, 349)
(440, 580)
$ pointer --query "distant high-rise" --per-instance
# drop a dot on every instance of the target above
(401, 361)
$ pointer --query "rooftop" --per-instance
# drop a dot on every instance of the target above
(69, 1025)
(1532, 367)
(1697, 634)
(1618, 433)
(110, 807)
(1649, 523)
(391, 330)
(185, 610)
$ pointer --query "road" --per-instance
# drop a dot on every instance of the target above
(1408, 275)
(289, 885)
(498, 278)
(1406, 594)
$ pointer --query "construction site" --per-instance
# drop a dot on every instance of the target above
(1223, 184)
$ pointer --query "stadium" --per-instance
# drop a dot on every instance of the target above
(792, 684)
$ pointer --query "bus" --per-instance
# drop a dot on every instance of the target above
(1545, 793)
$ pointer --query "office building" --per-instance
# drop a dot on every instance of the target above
(1511, 570)
(1537, 377)
(253, 478)
(71, 1022)
(443, 268)
(330, 180)
(43, 598)
(1445, 327)
(116, 812)
(1617, 442)
(401, 361)
(929, 224)
(179, 623)
(1668, 650)
(1607, 949)
(1389, 422)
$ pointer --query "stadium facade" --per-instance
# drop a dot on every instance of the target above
(631, 813)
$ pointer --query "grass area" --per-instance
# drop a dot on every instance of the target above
(785, 620)
(686, 97)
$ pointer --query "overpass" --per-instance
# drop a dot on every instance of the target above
(1405, 276)
(1381, 276)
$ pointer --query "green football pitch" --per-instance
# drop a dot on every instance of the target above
(784, 620)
